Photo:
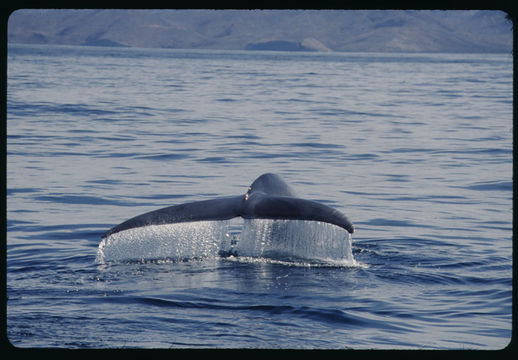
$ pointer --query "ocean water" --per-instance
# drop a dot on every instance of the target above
(416, 149)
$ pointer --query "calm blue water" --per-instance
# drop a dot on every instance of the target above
(415, 149)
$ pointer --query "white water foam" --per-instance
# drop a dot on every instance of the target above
(280, 240)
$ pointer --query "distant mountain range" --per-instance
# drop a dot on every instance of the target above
(288, 30)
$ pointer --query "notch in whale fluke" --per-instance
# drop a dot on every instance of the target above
(269, 197)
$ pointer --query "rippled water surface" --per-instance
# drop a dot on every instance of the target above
(416, 149)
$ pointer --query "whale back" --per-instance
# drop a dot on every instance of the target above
(271, 184)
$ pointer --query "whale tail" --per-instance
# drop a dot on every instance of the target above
(265, 207)
(267, 198)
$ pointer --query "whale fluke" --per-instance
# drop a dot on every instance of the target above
(269, 197)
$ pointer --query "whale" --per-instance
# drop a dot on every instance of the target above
(269, 197)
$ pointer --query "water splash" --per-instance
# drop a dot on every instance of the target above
(170, 241)
(295, 239)
(282, 240)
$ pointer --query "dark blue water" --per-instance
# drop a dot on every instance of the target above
(415, 149)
